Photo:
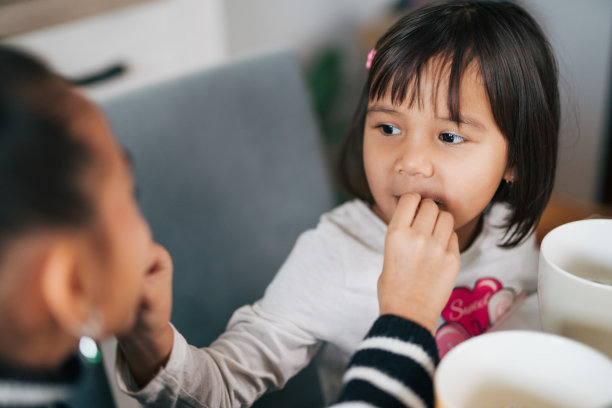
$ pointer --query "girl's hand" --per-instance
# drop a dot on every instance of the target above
(147, 346)
(421, 262)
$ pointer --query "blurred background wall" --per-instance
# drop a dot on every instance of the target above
(580, 32)
(157, 39)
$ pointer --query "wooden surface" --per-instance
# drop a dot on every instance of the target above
(561, 210)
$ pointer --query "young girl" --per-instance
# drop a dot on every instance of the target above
(460, 107)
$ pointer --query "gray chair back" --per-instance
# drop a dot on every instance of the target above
(230, 170)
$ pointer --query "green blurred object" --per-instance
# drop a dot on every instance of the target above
(325, 82)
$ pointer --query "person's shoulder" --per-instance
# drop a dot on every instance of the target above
(495, 222)
(494, 234)
(350, 228)
(488, 243)
(348, 212)
(496, 216)
(353, 218)
(335, 227)
(321, 255)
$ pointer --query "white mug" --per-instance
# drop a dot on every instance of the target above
(575, 282)
(513, 369)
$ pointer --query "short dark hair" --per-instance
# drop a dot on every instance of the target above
(520, 76)
(41, 160)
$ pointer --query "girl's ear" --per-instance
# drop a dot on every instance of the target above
(65, 286)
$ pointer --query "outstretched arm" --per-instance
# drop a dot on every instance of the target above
(260, 350)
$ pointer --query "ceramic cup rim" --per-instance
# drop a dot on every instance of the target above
(561, 229)
(515, 337)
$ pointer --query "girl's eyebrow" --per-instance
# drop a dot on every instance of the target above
(383, 109)
(464, 120)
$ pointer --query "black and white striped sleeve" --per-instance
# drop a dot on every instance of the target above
(393, 367)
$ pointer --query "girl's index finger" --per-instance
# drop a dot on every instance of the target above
(406, 210)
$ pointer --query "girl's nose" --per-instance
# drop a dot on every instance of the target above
(414, 159)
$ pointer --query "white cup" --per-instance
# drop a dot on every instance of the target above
(575, 282)
(519, 369)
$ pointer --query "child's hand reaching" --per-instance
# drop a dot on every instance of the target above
(148, 345)
(421, 261)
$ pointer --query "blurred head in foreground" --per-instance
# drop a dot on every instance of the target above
(74, 248)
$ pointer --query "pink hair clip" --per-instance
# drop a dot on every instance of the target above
(371, 55)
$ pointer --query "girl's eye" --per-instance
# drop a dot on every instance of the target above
(451, 138)
(389, 130)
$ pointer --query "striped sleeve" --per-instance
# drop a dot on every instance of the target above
(393, 367)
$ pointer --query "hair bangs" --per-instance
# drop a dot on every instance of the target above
(399, 76)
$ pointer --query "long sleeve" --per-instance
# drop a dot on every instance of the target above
(393, 367)
(255, 354)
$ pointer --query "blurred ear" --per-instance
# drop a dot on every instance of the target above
(64, 284)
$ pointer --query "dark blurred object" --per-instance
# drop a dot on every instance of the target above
(21, 16)
(105, 74)
(94, 390)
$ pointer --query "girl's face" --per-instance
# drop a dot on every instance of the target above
(122, 250)
(420, 149)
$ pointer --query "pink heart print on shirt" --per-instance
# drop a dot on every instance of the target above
(470, 312)
(448, 336)
(500, 303)
(470, 307)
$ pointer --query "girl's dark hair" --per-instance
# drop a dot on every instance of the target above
(520, 77)
(41, 161)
